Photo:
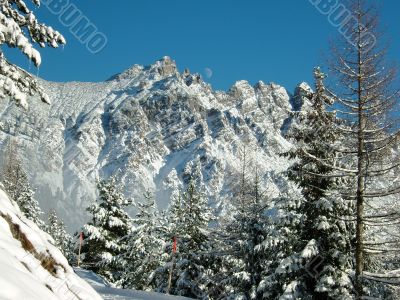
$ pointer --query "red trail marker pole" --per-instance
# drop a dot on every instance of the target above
(80, 247)
(174, 246)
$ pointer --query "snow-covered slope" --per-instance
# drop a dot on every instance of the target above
(30, 266)
(151, 126)
(110, 293)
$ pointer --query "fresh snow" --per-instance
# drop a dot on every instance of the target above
(24, 277)
(111, 293)
(23, 272)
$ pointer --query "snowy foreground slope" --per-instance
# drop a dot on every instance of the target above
(151, 127)
(30, 266)
(108, 292)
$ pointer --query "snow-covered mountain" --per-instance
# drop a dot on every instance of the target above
(151, 126)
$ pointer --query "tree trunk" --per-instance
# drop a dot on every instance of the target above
(359, 255)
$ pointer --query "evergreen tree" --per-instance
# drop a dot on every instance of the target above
(62, 239)
(145, 246)
(189, 219)
(315, 235)
(28, 204)
(240, 236)
(17, 186)
(20, 29)
(284, 270)
(13, 176)
(104, 234)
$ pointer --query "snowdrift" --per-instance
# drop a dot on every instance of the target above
(30, 266)
(108, 292)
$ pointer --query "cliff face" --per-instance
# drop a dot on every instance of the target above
(151, 127)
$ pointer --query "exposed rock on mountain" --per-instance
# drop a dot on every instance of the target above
(152, 127)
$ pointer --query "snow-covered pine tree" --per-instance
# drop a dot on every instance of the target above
(62, 239)
(20, 29)
(17, 186)
(239, 235)
(104, 234)
(315, 235)
(188, 222)
(28, 204)
(283, 255)
(145, 246)
(12, 172)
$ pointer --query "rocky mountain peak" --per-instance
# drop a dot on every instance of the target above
(165, 67)
(162, 68)
(132, 72)
(241, 89)
(300, 100)
(149, 126)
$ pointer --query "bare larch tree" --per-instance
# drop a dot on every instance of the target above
(365, 101)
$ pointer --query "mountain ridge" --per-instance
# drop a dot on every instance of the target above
(151, 127)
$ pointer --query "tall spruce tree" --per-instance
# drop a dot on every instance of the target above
(13, 175)
(188, 222)
(27, 202)
(16, 184)
(240, 235)
(104, 236)
(316, 261)
(62, 239)
(145, 246)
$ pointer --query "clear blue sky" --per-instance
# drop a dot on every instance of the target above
(279, 41)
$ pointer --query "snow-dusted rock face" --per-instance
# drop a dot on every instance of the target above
(30, 266)
(151, 126)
